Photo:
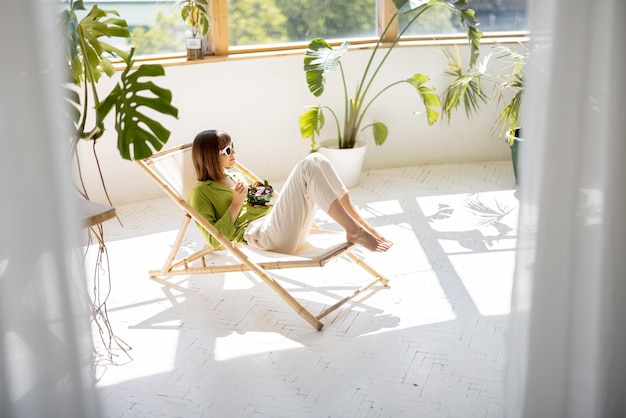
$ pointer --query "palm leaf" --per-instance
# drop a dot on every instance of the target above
(465, 89)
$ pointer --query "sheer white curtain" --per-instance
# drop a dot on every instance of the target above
(46, 364)
(567, 354)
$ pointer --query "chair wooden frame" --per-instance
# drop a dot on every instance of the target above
(176, 189)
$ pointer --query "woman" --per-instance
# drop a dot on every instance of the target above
(284, 227)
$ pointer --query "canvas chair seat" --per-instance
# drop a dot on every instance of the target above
(320, 247)
(173, 171)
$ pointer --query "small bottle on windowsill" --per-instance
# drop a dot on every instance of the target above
(194, 48)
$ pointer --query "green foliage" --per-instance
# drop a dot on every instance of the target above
(194, 14)
(311, 122)
(87, 57)
(256, 22)
(164, 35)
(85, 50)
(129, 97)
(436, 20)
(380, 132)
(465, 89)
(261, 22)
(428, 95)
(320, 59)
(330, 19)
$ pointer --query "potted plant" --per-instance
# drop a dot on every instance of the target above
(466, 90)
(135, 100)
(321, 59)
(88, 57)
(195, 15)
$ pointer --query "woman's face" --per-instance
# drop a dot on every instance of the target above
(227, 156)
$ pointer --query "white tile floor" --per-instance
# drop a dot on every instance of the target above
(225, 345)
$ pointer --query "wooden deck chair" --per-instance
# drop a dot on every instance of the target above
(173, 171)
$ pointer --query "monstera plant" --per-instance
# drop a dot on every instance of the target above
(135, 100)
(321, 59)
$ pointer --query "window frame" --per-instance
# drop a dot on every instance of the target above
(218, 48)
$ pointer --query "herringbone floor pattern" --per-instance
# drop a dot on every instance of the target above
(225, 345)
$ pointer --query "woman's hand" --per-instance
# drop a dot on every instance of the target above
(240, 191)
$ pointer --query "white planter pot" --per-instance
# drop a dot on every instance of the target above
(347, 162)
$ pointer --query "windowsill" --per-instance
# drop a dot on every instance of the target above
(241, 53)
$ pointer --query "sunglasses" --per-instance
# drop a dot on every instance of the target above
(228, 149)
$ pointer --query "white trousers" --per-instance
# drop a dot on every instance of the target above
(285, 229)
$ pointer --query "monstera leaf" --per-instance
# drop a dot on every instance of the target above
(138, 135)
(88, 57)
(72, 106)
(87, 53)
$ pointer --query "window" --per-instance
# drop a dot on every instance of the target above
(492, 15)
(262, 22)
(155, 25)
(157, 28)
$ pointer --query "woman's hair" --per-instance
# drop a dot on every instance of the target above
(205, 154)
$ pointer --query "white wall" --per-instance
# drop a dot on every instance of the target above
(258, 101)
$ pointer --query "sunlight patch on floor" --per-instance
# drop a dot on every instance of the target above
(160, 360)
(240, 345)
(490, 286)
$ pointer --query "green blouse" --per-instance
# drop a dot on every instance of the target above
(212, 199)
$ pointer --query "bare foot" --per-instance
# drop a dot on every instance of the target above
(368, 240)
(351, 209)
(374, 232)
